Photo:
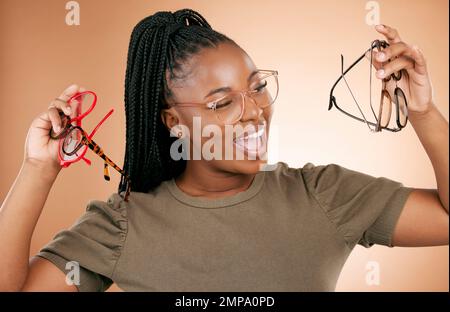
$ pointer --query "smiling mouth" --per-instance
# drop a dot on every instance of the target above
(253, 143)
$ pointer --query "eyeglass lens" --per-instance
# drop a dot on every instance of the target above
(72, 147)
(387, 103)
(263, 91)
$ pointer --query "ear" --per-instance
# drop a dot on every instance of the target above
(169, 117)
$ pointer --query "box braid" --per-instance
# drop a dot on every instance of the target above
(160, 42)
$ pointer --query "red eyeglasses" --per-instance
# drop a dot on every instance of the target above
(74, 141)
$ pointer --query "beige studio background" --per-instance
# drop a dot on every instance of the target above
(40, 55)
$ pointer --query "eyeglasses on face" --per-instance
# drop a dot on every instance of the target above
(263, 91)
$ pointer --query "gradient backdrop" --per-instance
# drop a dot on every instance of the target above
(41, 55)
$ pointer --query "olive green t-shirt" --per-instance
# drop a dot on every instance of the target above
(291, 230)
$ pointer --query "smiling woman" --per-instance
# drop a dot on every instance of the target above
(211, 224)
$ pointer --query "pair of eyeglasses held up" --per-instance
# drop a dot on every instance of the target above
(74, 141)
(383, 115)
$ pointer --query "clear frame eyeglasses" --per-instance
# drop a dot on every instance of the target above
(382, 111)
(263, 91)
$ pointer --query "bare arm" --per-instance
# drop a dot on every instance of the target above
(424, 220)
(45, 276)
(23, 205)
(18, 217)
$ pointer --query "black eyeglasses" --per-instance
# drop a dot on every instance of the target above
(384, 109)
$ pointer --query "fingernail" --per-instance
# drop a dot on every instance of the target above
(72, 87)
(381, 56)
(57, 129)
(68, 109)
(380, 26)
(380, 73)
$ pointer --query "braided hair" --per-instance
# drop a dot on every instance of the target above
(160, 42)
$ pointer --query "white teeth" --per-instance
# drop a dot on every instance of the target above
(252, 142)
(253, 135)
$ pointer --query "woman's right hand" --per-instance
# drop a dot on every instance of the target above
(40, 149)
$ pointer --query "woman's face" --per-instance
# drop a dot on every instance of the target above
(223, 69)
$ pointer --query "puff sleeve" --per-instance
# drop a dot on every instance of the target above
(94, 241)
(364, 208)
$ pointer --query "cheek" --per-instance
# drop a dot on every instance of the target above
(267, 113)
(202, 122)
(198, 118)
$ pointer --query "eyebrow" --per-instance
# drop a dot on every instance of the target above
(228, 89)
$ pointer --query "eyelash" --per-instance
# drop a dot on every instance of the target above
(261, 86)
(258, 89)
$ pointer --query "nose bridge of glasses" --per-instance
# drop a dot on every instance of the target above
(247, 94)
(246, 106)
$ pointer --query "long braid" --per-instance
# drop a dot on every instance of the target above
(161, 42)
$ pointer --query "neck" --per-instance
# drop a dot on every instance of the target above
(200, 180)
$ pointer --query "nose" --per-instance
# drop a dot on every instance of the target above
(251, 110)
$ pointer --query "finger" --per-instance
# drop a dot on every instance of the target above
(64, 97)
(61, 105)
(396, 65)
(377, 65)
(76, 103)
(55, 119)
(390, 33)
(420, 65)
(412, 53)
(392, 51)
(71, 90)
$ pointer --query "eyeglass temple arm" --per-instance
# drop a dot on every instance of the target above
(87, 161)
(330, 105)
(99, 151)
(354, 117)
(101, 122)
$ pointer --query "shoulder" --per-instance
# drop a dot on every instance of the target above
(139, 200)
(317, 178)
(113, 210)
(284, 176)
(95, 240)
(322, 177)
(282, 170)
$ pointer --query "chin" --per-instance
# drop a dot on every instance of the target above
(244, 166)
(252, 166)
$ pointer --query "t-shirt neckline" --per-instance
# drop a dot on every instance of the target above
(202, 202)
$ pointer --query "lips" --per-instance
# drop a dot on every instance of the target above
(252, 142)
(251, 131)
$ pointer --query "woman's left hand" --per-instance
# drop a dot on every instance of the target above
(401, 56)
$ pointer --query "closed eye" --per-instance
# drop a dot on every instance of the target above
(261, 86)
(222, 104)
